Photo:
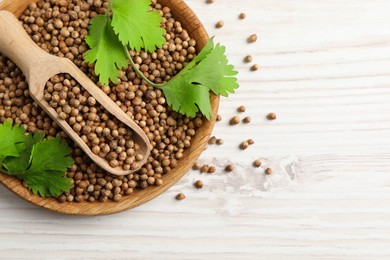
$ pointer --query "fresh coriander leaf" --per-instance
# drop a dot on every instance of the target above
(188, 99)
(47, 183)
(50, 155)
(137, 26)
(11, 139)
(18, 165)
(105, 49)
(188, 91)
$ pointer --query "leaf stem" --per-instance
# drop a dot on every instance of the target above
(138, 72)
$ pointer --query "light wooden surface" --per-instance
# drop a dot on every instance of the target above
(325, 71)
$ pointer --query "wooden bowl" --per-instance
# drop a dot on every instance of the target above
(189, 21)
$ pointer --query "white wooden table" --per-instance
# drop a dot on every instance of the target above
(325, 71)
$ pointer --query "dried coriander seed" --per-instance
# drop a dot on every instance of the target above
(271, 116)
(212, 169)
(252, 38)
(219, 118)
(180, 196)
(242, 16)
(212, 140)
(235, 120)
(268, 171)
(241, 109)
(250, 141)
(198, 184)
(219, 24)
(219, 141)
(248, 59)
(244, 145)
(204, 168)
(196, 166)
(254, 67)
(257, 163)
(229, 168)
(247, 120)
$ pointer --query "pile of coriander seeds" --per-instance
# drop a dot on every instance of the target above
(59, 27)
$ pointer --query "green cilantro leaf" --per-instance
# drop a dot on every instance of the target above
(47, 183)
(50, 155)
(188, 90)
(40, 162)
(18, 165)
(137, 26)
(105, 49)
(211, 69)
(10, 140)
(188, 99)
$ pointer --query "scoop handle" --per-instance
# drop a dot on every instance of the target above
(17, 45)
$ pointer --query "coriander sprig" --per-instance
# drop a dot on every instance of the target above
(40, 163)
(133, 26)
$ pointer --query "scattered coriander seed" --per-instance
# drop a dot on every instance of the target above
(252, 38)
(257, 163)
(271, 116)
(244, 145)
(248, 59)
(219, 24)
(212, 140)
(196, 166)
(241, 109)
(209, 1)
(219, 118)
(235, 120)
(250, 141)
(229, 168)
(212, 169)
(254, 67)
(204, 168)
(247, 120)
(219, 141)
(180, 196)
(268, 171)
(242, 16)
(198, 184)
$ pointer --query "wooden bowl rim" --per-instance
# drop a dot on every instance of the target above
(181, 11)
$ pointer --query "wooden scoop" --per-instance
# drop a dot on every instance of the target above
(39, 66)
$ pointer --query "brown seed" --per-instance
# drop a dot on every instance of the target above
(241, 109)
(212, 140)
(252, 38)
(242, 16)
(219, 118)
(247, 120)
(268, 171)
(209, 1)
(229, 168)
(219, 24)
(204, 168)
(257, 163)
(196, 166)
(254, 67)
(212, 169)
(248, 59)
(180, 196)
(219, 141)
(244, 145)
(250, 141)
(235, 120)
(198, 184)
(271, 116)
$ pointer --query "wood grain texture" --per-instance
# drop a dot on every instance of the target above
(185, 15)
(325, 71)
